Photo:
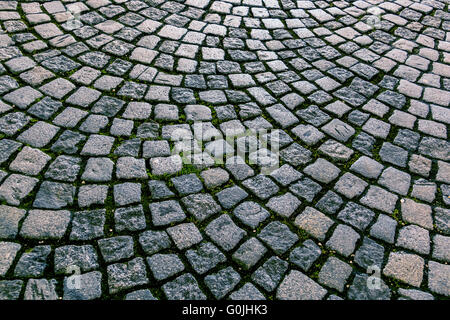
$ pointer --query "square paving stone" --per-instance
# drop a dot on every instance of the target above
(129, 147)
(282, 115)
(69, 117)
(295, 154)
(336, 150)
(57, 88)
(262, 186)
(278, 237)
(250, 213)
(222, 282)
(164, 266)
(54, 195)
(187, 184)
(143, 294)
(131, 168)
(367, 167)
(214, 177)
(129, 218)
(127, 193)
(414, 238)
(185, 287)
(285, 205)
(224, 232)
(308, 134)
(356, 215)
(369, 254)
(116, 248)
(441, 246)
(438, 275)
(94, 123)
(350, 185)
(305, 255)
(39, 135)
(205, 257)
(166, 212)
(360, 291)
(82, 256)
(98, 170)
(380, 199)
(88, 225)
(137, 110)
(16, 187)
(335, 273)
(91, 287)
(33, 263)
(424, 190)
(121, 127)
(185, 235)
(8, 252)
(405, 267)
(108, 106)
(97, 145)
(249, 253)
(298, 286)
(306, 189)
(166, 165)
(45, 224)
(339, 130)
(413, 294)
(154, 241)
(83, 97)
(314, 222)
(247, 292)
(29, 161)
(9, 221)
(201, 205)
(269, 275)
(166, 112)
(158, 148)
(343, 240)
(285, 175)
(384, 228)
(395, 180)
(393, 154)
(122, 276)
(322, 170)
(159, 190)
(377, 128)
(64, 168)
(22, 97)
(40, 289)
(7, 148)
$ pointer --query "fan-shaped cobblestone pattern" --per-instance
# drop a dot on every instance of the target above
(356, 93)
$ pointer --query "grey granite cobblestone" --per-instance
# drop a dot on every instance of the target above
(224, 149)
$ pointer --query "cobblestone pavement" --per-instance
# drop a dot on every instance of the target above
(355, 93)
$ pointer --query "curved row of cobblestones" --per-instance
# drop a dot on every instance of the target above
(103, 102)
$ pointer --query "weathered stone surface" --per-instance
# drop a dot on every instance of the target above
(297, 286)
(206, 149)
(405, 267)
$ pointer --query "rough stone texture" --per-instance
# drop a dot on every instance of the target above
(127, 275)
(405, 267)
(438, 278)
(45, 224)
(203, 135)
(334, 273)
(297, 286)
(185, 287)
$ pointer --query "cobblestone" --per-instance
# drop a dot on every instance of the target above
(224, 149)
